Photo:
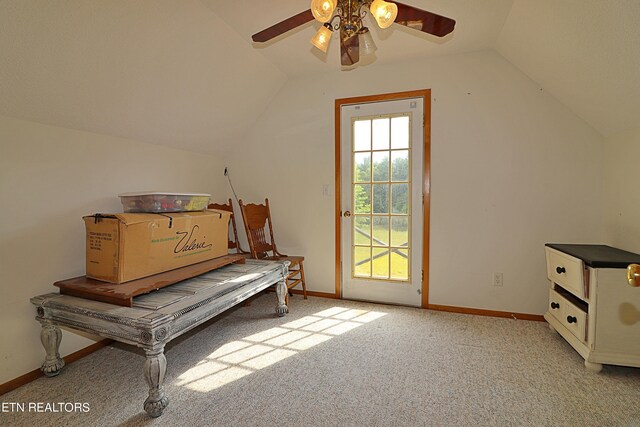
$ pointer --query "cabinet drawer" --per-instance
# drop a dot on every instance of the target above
(576, 321)
(556, 304)
(566, 271)
(567, 313)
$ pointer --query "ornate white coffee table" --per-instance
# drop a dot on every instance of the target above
(158, 317)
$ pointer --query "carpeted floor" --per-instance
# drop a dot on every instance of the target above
(343, 363)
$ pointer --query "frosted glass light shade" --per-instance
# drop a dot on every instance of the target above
(384, 12)
(322, 38)
(367, 46)
(322, 10)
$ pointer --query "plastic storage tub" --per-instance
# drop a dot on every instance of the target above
(163, 202)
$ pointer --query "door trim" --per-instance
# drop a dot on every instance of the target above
(426, 181)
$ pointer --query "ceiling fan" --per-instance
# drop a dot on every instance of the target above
(347, 16)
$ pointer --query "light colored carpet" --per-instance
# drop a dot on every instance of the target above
(342, 363)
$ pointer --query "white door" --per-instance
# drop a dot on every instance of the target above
(382, 225)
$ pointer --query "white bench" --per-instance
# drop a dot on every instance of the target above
(158, 317)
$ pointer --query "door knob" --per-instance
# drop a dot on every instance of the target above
(347, 213)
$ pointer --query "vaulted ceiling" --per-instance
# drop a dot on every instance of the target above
(185, 73)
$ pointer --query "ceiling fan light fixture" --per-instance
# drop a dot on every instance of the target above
(367, 46)
(322, 38)
(322, 10)
(384, 12)
(349, 19)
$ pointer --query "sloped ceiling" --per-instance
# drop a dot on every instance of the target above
(586, 53)
(167, 72)
(185, 73)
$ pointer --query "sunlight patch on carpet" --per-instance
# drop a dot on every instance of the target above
(238, 359)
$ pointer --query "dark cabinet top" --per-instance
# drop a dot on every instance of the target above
(598, 256)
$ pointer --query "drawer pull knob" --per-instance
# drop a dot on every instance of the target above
(633, 274)
(560, 270)
(555, 305)
(572, 319)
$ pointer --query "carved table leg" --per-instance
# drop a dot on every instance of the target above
(51, 335)
(281, 292)
(155, 366)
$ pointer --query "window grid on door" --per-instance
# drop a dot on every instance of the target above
(381, 188)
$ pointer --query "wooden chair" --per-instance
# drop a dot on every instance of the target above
(256, 218)
(233, 244)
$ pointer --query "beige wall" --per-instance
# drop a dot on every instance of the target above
(49, 178)
(512, 169)
(622, 201)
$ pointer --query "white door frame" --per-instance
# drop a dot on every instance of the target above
(426, 95)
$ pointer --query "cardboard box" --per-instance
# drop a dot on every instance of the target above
(128, 246)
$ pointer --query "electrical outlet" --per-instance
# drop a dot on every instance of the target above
(497, 279)
(225, 171)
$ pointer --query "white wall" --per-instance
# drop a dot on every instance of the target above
(49, 178)
(512, 169)
(622, 201)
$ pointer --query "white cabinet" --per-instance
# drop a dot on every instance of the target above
(591, 305)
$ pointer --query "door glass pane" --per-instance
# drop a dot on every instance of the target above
(362, 167)
(400, 165)
(400, 198)
(399, 231)
(381, 190)
(400, 132)
(381, 263)
(380, 198)
(381, 166)
(362, 198)
(362, 230)
(380, 230)
(400, 264)
(380, 134)
(362, 135)
(362, 261)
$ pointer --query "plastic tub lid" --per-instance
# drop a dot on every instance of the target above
(162, 193)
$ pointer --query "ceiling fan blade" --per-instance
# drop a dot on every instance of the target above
(427, 22)
(283, 27)
(349, 48)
